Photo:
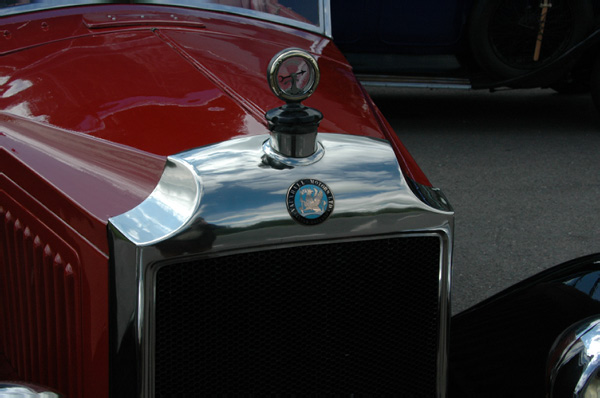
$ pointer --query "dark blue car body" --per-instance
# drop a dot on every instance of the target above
(470, 43)
(424, 26)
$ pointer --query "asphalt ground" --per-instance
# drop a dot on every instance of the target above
(521, 169)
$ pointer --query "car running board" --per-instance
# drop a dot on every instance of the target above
(391, 81)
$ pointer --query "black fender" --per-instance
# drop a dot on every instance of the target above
(500, 347)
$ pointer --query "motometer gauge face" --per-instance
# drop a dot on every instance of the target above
(293, 75)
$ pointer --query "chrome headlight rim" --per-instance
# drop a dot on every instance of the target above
(574, 361)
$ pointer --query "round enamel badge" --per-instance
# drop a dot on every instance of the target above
(310, 201)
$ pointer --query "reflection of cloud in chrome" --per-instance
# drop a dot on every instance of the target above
(167, 210)
(240, 216)
(239, 191)
(234, 218)
(240, 167)
(594, 345)
(242, 209)
(228, 187)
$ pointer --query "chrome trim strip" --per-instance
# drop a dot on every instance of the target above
(326, 18)
(445, 308)
(48, 5)
(242, 11)
(231, 197)
(324, 27)
(387, 81)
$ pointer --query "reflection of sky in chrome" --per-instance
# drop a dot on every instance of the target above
(594, 345)
(13, 390)
(227, 186)
(170, 206)
(588, 284)
(588, 349)
(362, 173)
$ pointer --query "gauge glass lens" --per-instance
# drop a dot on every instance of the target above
(295, 76)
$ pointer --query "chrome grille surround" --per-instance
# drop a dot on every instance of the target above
(230, 198)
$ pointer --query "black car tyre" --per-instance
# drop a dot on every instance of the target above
(503, 33)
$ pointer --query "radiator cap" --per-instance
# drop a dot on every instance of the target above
(293, 75)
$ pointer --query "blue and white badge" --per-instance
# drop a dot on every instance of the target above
(310, 201)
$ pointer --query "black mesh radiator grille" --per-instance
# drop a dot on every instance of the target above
(353, 318)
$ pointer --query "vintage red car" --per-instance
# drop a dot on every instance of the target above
(198, 198)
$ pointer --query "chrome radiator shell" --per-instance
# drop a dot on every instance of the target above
(230, 198)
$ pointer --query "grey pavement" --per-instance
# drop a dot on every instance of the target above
(520, 167)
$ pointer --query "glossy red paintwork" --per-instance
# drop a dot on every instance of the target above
(73, 183)
(62, 294)
(171, 89)
(82, 179)
(93, 99)
(165, 88)
(408, 164)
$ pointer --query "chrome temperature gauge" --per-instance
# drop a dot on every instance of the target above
(293, 75)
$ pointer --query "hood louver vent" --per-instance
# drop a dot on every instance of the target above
(39, 288)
